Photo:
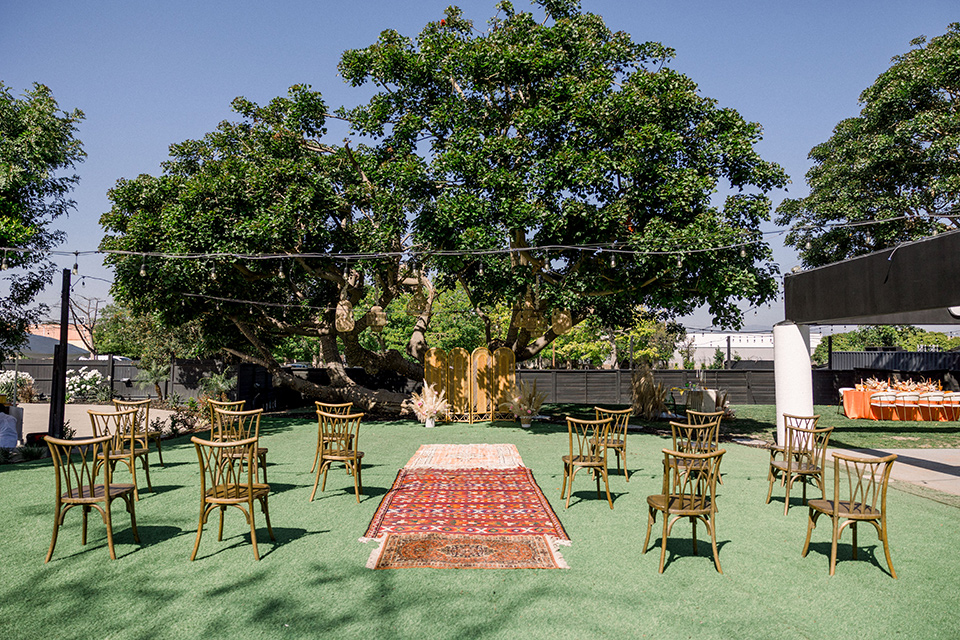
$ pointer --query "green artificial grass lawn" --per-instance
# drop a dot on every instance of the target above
(313, 582)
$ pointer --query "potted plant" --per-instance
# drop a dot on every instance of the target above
(429, 404)
(524, 403)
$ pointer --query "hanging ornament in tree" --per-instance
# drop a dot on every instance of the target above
(378, 319)
(529, 318)
(562, 321)
(344, 316)
(417, 304)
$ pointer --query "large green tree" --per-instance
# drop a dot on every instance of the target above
(543, 164)
(891, 174)
(37, 142)
(906, 337)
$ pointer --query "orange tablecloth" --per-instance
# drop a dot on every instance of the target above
(856, 404)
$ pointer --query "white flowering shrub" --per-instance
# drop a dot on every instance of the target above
(83, 383)
(17, 383)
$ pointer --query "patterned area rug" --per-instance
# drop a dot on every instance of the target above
(464, 516)
(441, 551)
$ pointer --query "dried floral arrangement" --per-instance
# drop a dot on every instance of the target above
(525, 401)
(430, 403)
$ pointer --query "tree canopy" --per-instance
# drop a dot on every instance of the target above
(891, 174)
(37, 141)
(906, 337)
(542, 166)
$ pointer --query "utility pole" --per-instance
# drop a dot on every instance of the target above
(58, 393)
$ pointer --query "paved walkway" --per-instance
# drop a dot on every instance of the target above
(36, 417)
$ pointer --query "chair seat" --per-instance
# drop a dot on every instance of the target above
(227, 494)
(679, 505)
(847, 509)
(125, 453)
(83, 493)
(611, 442)
(796, 467)
(341, 454)
(584, 461)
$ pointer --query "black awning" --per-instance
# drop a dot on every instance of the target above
(914, 283)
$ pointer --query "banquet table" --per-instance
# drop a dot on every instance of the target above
(856, 404)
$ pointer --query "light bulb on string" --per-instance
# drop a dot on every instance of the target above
(213, 271)
(143, 267)
(280, 273)
(743, 252)
(679, 263)
(76, 267)
(4, 265)
(481, 269)
(808, 246)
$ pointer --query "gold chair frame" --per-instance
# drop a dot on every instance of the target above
(585, 454)
(340, 409)
(77, 464)
(214, 405)
(241, 425)
(340, 439)
(143, 406)
(129, 442)
(617, 440)
(228, 470)
(689, 491)
(867, 480)
(804, 456)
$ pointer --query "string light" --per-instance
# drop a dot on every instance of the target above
(76, 267)
(4, 265)
(143, 268)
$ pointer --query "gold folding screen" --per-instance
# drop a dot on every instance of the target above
(475, 383)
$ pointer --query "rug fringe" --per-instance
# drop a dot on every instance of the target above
(554, 545)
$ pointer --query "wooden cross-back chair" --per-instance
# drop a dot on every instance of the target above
(930, 405)
(339, 409)
(585, 454)
(128, 442)
(689, 491)
(883, 403)
(339, 441)
(82, 479)
(804, 453)
(864, 500)
(214, 405)
(707, 417)
(143, 417)
(228, 478)
(241, 425)
(617, 439)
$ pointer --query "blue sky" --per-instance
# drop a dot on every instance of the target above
(148, 74)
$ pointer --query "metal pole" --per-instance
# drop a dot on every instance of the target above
(728, 354)
(58, 392)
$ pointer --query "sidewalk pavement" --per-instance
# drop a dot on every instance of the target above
(937, 469)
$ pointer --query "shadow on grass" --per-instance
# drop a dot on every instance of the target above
(869, 554)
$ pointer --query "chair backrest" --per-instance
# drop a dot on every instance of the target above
(621, 418)
(339, 433)
(121, 426)
(692, 477)
(236, 405)
(237, 425)
(342, 408)
(695, 438)
(883, 399)
(75, 463)
(931, 399)
(800, 422)
(865, 482)
(905, 398)
(807, 446)
(142, 419)
(703, 417)
(230, 466)
(951, 398)
(585, 434)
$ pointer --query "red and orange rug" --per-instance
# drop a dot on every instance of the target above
(465, 515)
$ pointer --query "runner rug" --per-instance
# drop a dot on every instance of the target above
(464, 514)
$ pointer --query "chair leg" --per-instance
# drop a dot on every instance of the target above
(356, 480)
(853, 527)
(316, 481)
(771, 477)
(316, 457)
(886, 546)
(713, 541)
(563, 487)
(786, 495)
(266, 515)
(626, 474)
(223, 510)
(651, 518)
(145, 461)
(158, 439)
(56, 529)
(263, 466)
(663, 542)
(133, 517)
(108, 521)
(203, 518)
(83, 534)
(833, 544)
(606, 483)
(253, 532)
(811, 525)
